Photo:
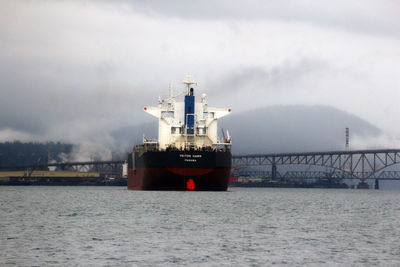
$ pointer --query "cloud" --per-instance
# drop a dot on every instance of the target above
(278, 129)
(9, 135)
(81, 71)
(369, 16)
(284, 76)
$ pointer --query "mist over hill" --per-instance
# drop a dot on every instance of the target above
(277, 129)
(294, 129)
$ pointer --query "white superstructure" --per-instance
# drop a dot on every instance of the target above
(200, 130)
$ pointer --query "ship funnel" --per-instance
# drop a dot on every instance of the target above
(189, 106)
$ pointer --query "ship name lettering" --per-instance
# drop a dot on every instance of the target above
(189, 156)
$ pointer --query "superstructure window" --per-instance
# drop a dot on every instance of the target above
(167, 114)
(201, 130)
(176, 130)
(208, 115)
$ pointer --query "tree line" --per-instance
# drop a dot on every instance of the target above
(19, 153)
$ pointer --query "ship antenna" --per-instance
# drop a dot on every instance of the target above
(171, 91)
(189, 82)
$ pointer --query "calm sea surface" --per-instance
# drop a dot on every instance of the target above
(69, 226)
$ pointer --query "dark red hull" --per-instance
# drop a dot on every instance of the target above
(170, 171)
(163, 179)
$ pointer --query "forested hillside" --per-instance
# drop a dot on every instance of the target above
(18, 153)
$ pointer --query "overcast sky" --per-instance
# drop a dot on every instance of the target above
(77, 70)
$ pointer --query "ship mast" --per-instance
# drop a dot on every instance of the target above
(188, 82)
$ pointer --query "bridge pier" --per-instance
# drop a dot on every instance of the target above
(273, 172)
(376, 184)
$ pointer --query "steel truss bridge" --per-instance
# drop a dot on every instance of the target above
(356, 164)
(359, 164)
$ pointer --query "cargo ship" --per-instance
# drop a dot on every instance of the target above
(188, 155)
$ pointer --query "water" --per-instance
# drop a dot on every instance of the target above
(108, 226)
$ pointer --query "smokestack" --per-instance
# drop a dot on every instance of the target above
(347, 138)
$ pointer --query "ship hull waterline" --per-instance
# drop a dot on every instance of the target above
(164, 179)
(180, 171)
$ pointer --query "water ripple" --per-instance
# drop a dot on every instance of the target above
(105, 226)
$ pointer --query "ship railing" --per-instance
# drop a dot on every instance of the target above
(153, 142)
(223, 143)
(193, 148)
(219, 143)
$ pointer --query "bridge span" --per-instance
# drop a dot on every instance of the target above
(360, 164)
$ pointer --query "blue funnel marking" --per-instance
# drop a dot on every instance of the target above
(189, 111)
